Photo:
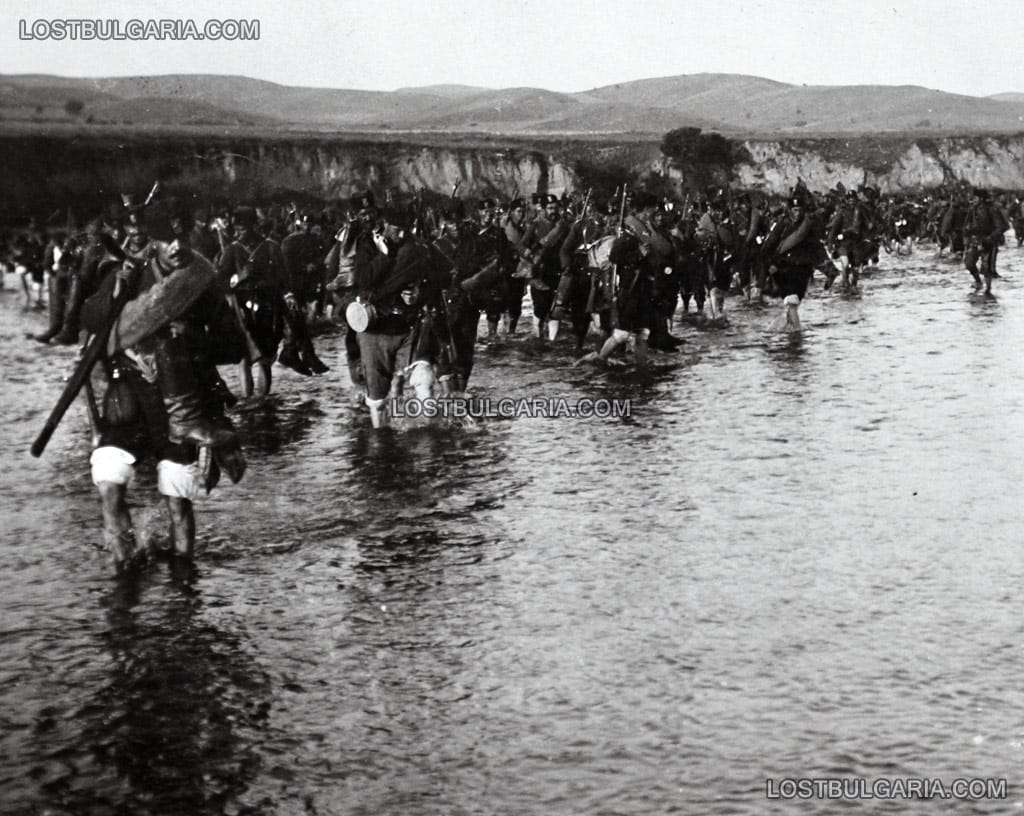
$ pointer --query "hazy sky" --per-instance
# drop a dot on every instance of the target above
(562, 46)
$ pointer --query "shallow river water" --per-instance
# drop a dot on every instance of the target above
(799, 557)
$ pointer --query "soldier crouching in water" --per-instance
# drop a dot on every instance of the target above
(164, 396)
(633, 312)
(393, 341)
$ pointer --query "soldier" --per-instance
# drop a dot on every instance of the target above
(1017, 219)
(253, 269)
(62, 261)
(649, 223)
(204, 237)
(354, 249)
(983, 232)
(303, 257)
(578, 278)
(27, 253)
(515, 231)
(715, 236)
(633, 311)
(664, 262)
(757, 230)
(541, 245)
(395, 343)
(481, 262)
(846, 233)
(164, 396)
(951, 224)
(84, 281)
(691, 270)
(793, 247)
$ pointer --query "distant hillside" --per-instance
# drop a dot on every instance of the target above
(766, 106)
(268, 99)
(514, 110)
(44, 96)
(730, 103)
(158, 110)
(687, 90)
(445, 91)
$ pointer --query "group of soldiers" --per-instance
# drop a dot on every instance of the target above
(172, 293)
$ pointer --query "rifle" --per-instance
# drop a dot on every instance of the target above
(586, 203)
(448, 342)
(614, 284)
(418, 225)
(94, 349)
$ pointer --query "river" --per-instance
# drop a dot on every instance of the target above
(799, 556)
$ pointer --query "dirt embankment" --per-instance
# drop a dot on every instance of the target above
(87, 171)
(892, 164)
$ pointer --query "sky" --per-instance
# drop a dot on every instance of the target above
(561, 46)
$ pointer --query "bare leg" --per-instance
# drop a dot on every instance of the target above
(262, 378)
(245, 375)
(117, 524)
(183, 525)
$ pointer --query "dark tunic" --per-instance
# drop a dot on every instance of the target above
(259, 280)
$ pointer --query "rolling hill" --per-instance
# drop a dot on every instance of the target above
(730, 103)
(767, 106)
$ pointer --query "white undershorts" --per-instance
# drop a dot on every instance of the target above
(112, 464)
(117, 466)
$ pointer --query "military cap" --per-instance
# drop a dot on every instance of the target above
(454, 209)
(550, 199)
(397, 217)
(537, 198)
(517, 204)
(180, 218)
(487, 204)
(363, 201)
(244, 217)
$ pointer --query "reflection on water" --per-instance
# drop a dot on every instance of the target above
(798, 557)
(159, 710)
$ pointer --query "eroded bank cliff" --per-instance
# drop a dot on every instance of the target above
(87, 171)
(890, 164)
(44, 172)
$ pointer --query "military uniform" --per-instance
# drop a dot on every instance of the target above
(164, 396)
(254, 271)
(984, 228)
(542, 243)
(400, 341)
